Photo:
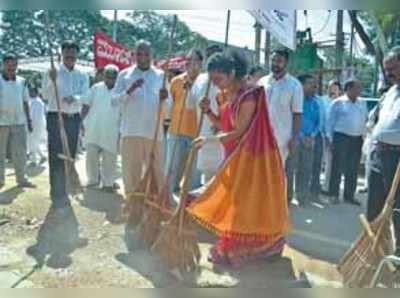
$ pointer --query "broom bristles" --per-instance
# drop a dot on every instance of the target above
(361, 261)
(178, 248)
(135, 201)
(155, 211)
(74, 186)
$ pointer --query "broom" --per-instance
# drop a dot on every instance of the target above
(359, 264)
(73, 184)
(158, 209)
(177, 243)
(148, 187)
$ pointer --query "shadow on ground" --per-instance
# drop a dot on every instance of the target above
(57, 239)
(110, 204)
(9, 196)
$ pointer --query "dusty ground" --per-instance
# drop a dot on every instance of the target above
(86, 248)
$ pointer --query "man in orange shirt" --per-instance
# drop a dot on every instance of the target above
(184, 120)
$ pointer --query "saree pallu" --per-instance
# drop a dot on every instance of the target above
(245, 203)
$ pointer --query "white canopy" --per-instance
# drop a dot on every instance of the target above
(42, 64)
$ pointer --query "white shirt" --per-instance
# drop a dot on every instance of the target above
(285, 97)
(38, 116)
(102, 123)
(347, 117)
(200, 88)
(387, 129)
(13, 95)
(139, 110)
(69, 83)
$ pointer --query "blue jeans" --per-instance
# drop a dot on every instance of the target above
(175, 172)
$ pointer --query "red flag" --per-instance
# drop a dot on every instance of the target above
(106, 51)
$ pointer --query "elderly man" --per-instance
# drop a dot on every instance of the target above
(139, 89)
(346, 127)
(102, 123)
(386, 152)
(14, 116)
(72, 85)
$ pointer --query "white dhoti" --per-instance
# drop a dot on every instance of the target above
(209, 159)
(102, 134)
(37, 139)
(100, 165)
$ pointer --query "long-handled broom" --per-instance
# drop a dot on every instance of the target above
(148, 186)
(157, 209)
(73, 184)
(376, 241)
(177, 243)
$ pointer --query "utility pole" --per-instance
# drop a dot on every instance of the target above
(339, 42)
(228, 24)
(352, 44)
(258, 29)
(267, 49)
(115, 25)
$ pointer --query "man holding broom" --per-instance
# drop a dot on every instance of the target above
(386, 152)
(72, 85)
(183, 120)
(139, 89)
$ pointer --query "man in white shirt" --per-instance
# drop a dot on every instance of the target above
(14, 116)
(102, 123)
(285, 103)
(37, 138)
(139, 89)
(72, 85)
(210, 156)
(385, 154)
(346, 127)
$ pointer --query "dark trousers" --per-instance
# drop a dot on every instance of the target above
(72, 124)
(317, 165)
(346, 157)
(298, 171)
(383, 167)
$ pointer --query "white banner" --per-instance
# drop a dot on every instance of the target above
(281, 24)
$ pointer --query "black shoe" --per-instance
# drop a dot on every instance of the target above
(363, 190)
(353, 202)
(108, 189)
(335, 200)
(26, 184)
(92, 186)
(326, 193)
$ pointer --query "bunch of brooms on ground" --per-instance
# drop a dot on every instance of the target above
(171, 235)
(360, 263)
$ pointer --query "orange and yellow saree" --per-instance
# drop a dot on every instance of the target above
(245, 203)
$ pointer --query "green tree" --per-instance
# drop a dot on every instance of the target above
(24, 31)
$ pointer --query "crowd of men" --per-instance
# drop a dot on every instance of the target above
(118, 116)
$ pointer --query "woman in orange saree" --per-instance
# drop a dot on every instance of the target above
(245, 203)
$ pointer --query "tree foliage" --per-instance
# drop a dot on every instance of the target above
(23, 32)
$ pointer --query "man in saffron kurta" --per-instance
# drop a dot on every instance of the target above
(183, 116)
